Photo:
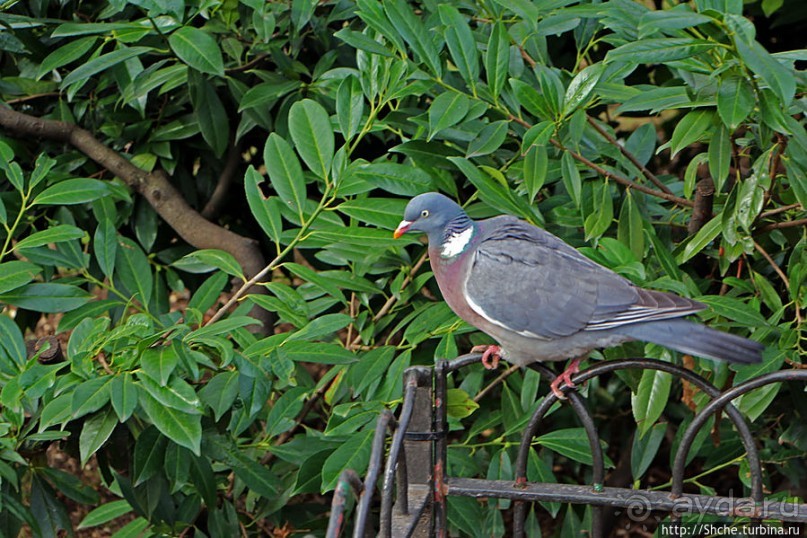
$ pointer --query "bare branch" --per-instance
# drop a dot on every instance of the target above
(154, 187)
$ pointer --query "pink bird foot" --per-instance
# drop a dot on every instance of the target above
(491, 355)
(565, 378)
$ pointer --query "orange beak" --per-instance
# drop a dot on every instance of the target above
(402, 228)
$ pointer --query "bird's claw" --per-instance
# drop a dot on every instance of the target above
(491, 355)
(565, 378)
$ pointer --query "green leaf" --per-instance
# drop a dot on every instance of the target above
(702, 239)
(210, 113)
(265, 94)
(47, 298)
(85, 72)
(105, 246)
(265, 210)
(459, 404)
(658, 99)
(54, 234)
(650, 399)
(581, 87)
(72, 191)
(659, 50)
(680, 16)
(497, 60)
(461, 43)
(134, 270)
(396, 178)
(735, 100)
(571, 177)
(536, 162)
(534, 102)
(447, 110)
(778, 78)
(321, 326)
(349, 106)
(720, 156)
(218, 259)
(414, 32)
(95, 433)
(182, 428)
(105, 513)
(381, 212)
(645, 449)
(317, 352)
(123, 395)
(490, 138)
(198, 49)
(310, 128)
(177, 394)
(735, 310)
(692, 127)
(12, 343)
(70, 52)
(570, 442)
(149, 455)
(14, 274)
(285, 173)
(90, 396)
(159, 363)
(220, 392)
(360, 41)
(537, 135)
(597, 223)
(352, 454)
(283, 414)
(630, 230)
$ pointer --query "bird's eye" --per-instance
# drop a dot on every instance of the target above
(424, 213)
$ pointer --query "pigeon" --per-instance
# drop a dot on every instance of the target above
(542, 300)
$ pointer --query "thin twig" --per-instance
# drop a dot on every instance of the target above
(603, 172)
(784, 224)
(250, 64)
(621, 179)
(392, 299)
(630, 156)
(776, 211)
(773, 264)
(504, 375)
(27, 98)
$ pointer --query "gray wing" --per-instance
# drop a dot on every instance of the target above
(527, 280)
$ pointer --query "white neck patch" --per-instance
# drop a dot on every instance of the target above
(457, 242)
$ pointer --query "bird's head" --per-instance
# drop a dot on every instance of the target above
(430, 213)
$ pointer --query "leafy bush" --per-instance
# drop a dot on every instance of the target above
(618, 127)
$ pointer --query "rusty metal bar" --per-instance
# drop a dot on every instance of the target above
(410, 384)
(348, 481)
(598, 466)
(441, 447)
(718, 403)
(373, 470)
(713, 392)
(638, 503)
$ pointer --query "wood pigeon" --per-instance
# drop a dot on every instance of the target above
(544, 301)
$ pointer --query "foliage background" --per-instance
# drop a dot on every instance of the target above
(218, 135)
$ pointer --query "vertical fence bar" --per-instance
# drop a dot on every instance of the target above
(440, 448)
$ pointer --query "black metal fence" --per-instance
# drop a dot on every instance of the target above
(413, 497)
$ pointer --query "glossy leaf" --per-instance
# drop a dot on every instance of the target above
(182, 428)
(310, 128)
(95, 433)
(198, 49)
(497, 60)
(285, 173)
(650, 399)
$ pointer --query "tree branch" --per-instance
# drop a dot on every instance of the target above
(603, 172)
(219, 196)
(783, 224)
(154, 187)
(630, 156)
(702, 210)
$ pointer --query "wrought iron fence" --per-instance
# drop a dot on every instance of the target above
(413, 497)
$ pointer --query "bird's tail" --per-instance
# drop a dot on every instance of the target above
(696, 339)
